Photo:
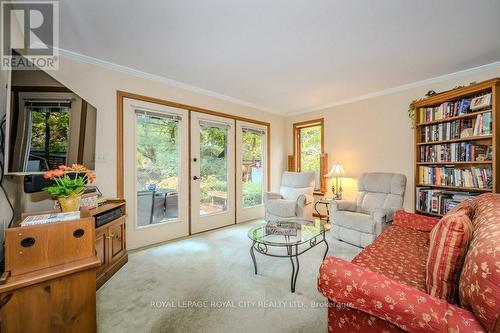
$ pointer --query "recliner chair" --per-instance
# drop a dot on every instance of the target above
(295, 197)
(379, 196)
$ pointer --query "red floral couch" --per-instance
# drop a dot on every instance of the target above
(383, 289)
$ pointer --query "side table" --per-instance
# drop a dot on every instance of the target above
(327, 203)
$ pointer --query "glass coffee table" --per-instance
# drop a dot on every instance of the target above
(268, 241)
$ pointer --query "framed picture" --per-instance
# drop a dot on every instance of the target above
(480, 102)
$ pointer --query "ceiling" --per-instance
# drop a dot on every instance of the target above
(287, 56)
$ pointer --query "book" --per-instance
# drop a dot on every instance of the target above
(480, 102)
(50, 218)
(282, 228)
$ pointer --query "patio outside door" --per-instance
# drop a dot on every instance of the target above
(212, 172)
(156, 172)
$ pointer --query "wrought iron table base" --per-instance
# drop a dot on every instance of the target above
(263, 249)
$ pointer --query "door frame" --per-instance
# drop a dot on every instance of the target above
(120, 97)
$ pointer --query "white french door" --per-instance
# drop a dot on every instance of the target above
(156, 172)
(212, 172)
(251, 175)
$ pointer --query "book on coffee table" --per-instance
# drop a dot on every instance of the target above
(282, 229)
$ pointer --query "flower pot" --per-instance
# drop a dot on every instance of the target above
(70, 204)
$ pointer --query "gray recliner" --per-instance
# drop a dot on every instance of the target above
(379, 196)
(295, 197)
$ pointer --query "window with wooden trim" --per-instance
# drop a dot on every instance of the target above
(308, 152)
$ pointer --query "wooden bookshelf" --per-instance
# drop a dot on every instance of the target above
(490, 86)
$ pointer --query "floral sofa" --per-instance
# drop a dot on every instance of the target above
(384, 288)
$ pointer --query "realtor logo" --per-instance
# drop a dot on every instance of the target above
(30, 35)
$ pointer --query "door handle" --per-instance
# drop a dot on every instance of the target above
(196, 177)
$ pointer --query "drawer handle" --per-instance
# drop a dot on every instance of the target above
(5, 300)
(28, 242)
(78, 233)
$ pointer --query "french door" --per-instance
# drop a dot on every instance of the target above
(212, 172)
(188, 172)
(251, 175)
(156, 172)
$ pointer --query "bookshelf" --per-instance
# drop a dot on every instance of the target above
(456, 146)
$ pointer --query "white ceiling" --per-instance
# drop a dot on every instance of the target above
(286, 55)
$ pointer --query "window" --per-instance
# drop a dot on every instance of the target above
(308, 149)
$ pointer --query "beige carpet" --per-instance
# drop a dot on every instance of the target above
(206, 283)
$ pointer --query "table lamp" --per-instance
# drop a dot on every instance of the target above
(336, 172)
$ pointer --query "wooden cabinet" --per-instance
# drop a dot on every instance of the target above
(101, 245)
(110, 244)
(60, 304)
(50, 278)
(116, 241)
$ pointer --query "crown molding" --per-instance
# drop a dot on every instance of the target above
(152, 77)
(408, 86)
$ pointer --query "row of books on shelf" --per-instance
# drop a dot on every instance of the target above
(477, 177)
(456, 152)
(458, 129)
(483, 124)
(445, 131)
(440, 201)
(455, 108)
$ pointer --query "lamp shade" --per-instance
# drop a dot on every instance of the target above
(335, 171)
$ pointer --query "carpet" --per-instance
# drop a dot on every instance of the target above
(206, 283)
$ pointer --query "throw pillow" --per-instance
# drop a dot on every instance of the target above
(467, 206)
(449, 241)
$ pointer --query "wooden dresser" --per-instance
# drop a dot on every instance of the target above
(110, 241)
(50, 278)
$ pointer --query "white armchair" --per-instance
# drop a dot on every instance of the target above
(359, 222)
(295, 197)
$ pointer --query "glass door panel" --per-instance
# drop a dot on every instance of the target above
(213, 167)
(252, 159)
(156, 172)
(157, 151)
(252, 164)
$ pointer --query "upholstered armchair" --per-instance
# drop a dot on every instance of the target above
(295, 197)
(379, 196)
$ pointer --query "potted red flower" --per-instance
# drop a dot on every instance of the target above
(68, 190)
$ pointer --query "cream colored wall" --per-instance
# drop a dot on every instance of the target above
(99, 85)
(374, 134)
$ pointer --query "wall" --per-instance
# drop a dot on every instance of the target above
(99, 85)
(5, 211)
(374, 134)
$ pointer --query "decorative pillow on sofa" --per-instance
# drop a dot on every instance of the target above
(466, 206)
(449, 241)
